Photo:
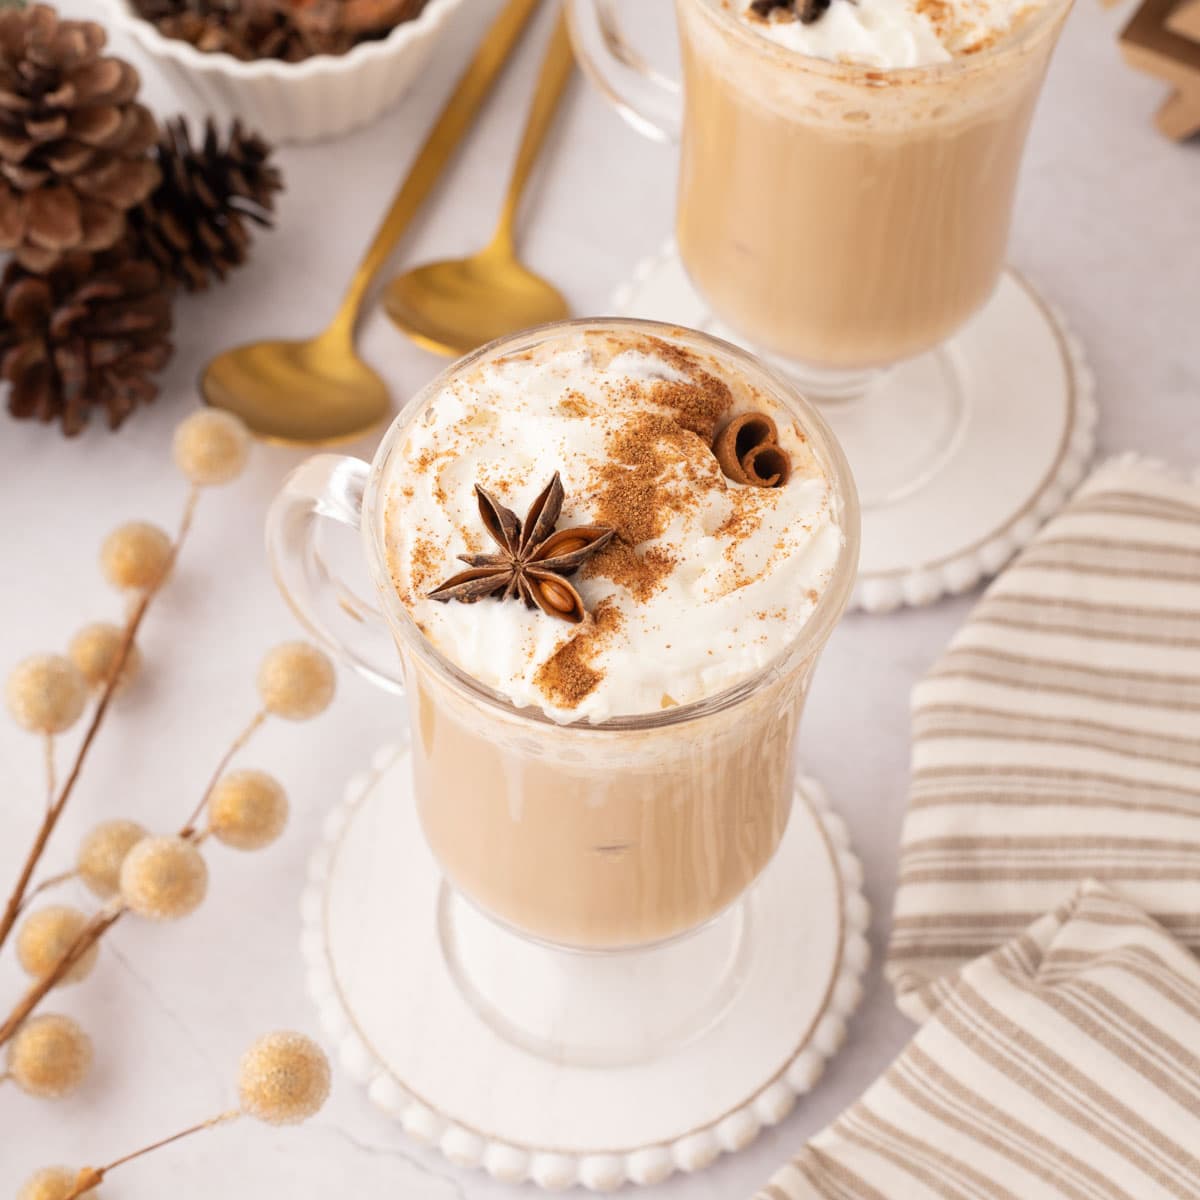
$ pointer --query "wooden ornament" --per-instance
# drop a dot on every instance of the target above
(1163, 40)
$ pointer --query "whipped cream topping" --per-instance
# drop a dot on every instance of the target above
(706, 581)
(891, 34)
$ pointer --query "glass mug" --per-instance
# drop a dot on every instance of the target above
(841, 219)
(622, 836)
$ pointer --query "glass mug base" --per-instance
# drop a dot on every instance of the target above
(594, 1008)
(404, 1027)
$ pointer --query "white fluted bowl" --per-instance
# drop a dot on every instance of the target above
(321, 97)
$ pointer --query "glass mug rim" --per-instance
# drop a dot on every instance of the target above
(879, 77)
(808, 642)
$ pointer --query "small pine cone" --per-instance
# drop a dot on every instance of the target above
(197, 223)
(91, 332)
(73, 139)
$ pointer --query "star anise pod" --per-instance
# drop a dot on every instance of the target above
(534, 561)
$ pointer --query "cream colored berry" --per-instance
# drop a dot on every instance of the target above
(52, 1183)
(296, 681)
(136, 556)
(49, 1056)
(46, 694)
(284, 1079)
(211, 447)
(94, 651)
(164, 878)
(46, 935)
(101, 854)
(247, 810)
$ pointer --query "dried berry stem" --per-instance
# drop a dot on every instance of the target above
(45, 886)
(54, 811)
(100, 924)
(48, 747)
(185, 523)
(239, 743)
(91, 1177)
(89, 935)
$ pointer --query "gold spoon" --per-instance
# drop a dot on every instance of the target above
(454, 306)
(318, 391)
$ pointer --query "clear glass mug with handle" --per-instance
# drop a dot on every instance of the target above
(569, 849)
(844, 221)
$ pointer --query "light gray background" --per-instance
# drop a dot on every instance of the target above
(1107, 225)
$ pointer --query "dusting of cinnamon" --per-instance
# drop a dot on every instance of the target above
(655, 469)
(640, 573)
(747, 506)
(575, 404)
(697, 404)
(937, 12)
(428, 561)
(426, 460)
(568, 677)
(637, 497)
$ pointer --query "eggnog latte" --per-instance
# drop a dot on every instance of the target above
(847, 182)
(621, 779)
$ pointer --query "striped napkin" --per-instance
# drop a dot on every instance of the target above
(1063, 1066)
(1058, 739)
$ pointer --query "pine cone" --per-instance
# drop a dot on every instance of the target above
(89, 332)
(196, 224)
(246, 29)
(291, 30)
(73, 140)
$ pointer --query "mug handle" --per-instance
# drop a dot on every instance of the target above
(329, 487)
(650, 101)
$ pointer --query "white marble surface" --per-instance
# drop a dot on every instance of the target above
(1107, 225)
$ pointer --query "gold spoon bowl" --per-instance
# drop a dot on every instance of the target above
(315, 392)
(453, 307)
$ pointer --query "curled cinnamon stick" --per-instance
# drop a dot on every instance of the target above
(749, 452)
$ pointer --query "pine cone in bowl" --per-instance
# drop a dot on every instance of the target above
(290, 30)
(88, 334)
(73, 138)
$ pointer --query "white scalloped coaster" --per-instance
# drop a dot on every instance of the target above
(1023, 445)
(403, 1029)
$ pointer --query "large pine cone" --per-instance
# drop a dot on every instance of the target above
(90, 332)
(196, 225)
(73, 140)
(291, 30)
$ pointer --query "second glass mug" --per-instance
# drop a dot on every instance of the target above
(841, 219)
(624, 836)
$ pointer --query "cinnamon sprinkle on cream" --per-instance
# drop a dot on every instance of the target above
(427, 559)
(567, 677)
(641, 573)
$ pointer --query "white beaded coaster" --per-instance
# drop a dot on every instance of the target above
(379, 972)
(1006, 462)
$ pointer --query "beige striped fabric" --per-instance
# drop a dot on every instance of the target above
(1063, 1066)
(1058, 739)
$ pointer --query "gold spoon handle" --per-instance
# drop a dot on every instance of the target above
(556, 73)
(443, 139)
